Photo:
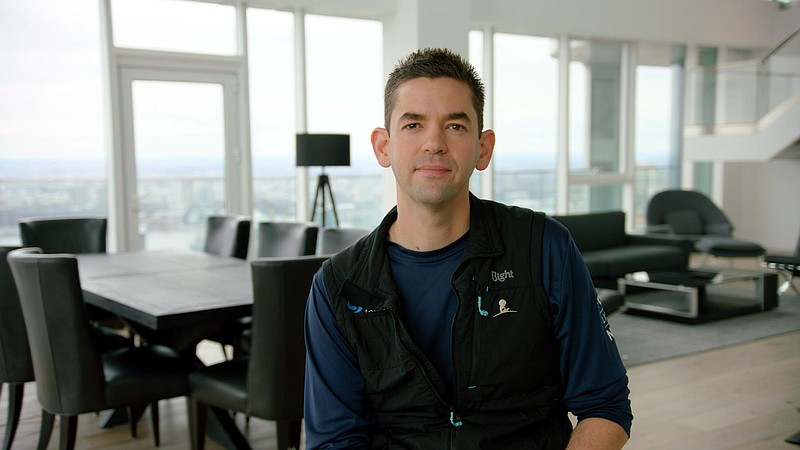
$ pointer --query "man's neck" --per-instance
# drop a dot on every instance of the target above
(424, 228)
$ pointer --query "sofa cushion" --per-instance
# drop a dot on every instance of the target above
(597, 263)
(684, 221)
(729, 247)
(596, 230)
(635, 258)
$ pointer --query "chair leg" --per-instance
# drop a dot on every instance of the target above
(154, 423)
(288, 432)
(69, 431)
(15, 394)
(46, 429)
(132, 420)
(197, 423)
(789, 283)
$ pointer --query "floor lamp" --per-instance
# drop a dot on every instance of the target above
(323, 150)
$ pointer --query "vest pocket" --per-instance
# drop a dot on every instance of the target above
(509, 342)
(394, 369)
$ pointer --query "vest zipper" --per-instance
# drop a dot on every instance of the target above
(452, 445)
(476, 333)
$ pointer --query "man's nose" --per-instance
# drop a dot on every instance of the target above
(434, 141)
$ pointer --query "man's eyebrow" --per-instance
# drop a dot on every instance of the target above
(411, 116)
(459, 116)
(451, 116)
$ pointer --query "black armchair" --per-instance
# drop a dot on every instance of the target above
(692, 216)
(269, 382)
(73, 375)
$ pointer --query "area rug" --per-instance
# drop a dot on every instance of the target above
(644, 339)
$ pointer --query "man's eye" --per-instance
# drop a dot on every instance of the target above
(411, 126)
(456, 127)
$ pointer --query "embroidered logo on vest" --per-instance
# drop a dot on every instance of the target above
(499, 277)
(503, 308)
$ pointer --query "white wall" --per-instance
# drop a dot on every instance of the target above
(761, 199)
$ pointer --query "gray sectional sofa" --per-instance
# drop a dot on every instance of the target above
(610, 252)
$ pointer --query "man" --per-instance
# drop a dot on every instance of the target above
(459, 322)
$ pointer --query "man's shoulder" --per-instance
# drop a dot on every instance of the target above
(552, 228)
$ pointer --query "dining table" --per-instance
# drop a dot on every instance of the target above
(174, 298)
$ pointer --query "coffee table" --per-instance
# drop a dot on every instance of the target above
(698, 294)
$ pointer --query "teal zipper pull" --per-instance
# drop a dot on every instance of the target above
(453, 420)
(482, 311)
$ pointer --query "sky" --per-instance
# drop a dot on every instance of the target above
(52, 88)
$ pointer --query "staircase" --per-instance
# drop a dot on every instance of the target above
(748, 111)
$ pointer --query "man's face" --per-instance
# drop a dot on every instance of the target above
(433, 143)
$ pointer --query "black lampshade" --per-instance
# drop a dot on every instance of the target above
(323, 149)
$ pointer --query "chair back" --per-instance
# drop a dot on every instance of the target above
(689, 213)
(66, 362)
(227, 235)
(334, 240)
(285, 239)
(15, 353)
(64, 234)
(276, 372)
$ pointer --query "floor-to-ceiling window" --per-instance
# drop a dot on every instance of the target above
(595, 133)
(344, 66)
(658, 119)
(179, 119)
(52, 155)
(525, 120)
(270, 37)
(476, 56)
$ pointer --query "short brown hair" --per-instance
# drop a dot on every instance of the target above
(433, 63)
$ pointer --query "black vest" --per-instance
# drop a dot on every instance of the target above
(506, 389)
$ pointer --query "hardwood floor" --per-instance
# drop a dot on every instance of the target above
(739, 397)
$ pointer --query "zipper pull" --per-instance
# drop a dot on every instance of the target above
(481, 311)
(456, 421)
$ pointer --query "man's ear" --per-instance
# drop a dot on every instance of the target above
(487, 148)
(380, 144)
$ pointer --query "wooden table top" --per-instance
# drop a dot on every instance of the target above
(167, 289)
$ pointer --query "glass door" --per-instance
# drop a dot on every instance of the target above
(179, 145)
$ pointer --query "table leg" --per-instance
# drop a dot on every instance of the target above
(221, 427)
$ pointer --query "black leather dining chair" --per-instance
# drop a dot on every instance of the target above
(73, 374)
(272, 239)
(16, 367)
(285, 239)
(74, 235)
(227, 235)
(267, 383)
(64, 234)
(332, 240)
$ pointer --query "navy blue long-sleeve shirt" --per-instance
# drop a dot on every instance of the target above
(337, 414)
